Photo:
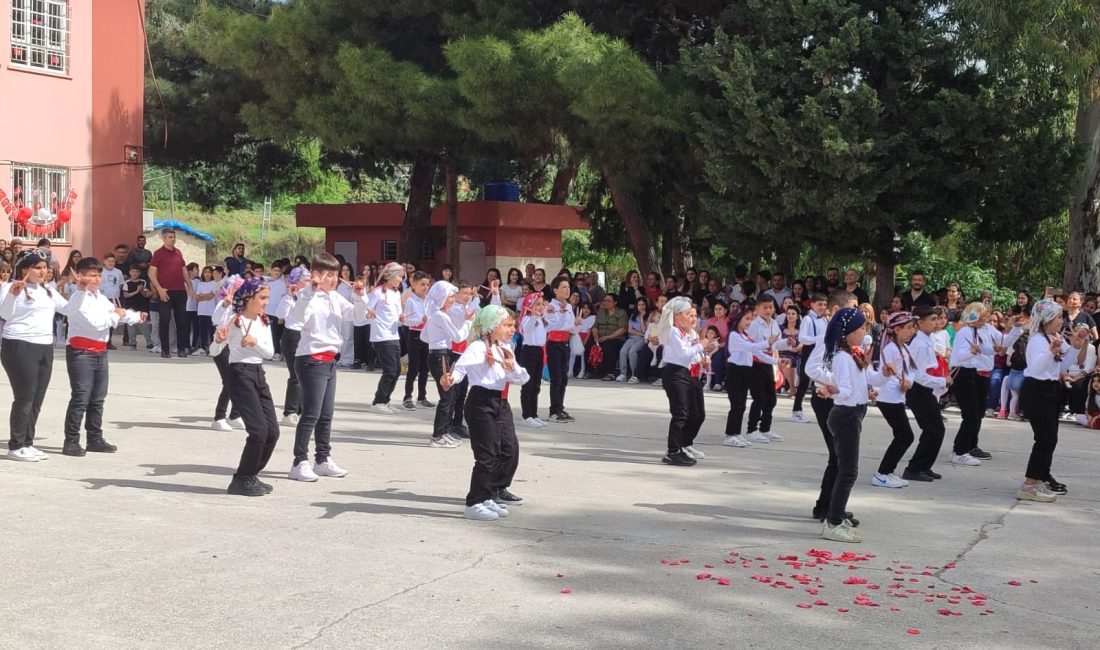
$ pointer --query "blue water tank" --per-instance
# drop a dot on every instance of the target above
(502, 191)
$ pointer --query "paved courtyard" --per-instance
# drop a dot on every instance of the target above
(143, 549)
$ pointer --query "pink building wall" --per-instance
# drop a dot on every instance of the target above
(81, 121)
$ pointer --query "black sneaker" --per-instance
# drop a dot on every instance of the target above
(72, 449)
(978, 452)
(268, 488)
(111, 346)
(426, 403)
(408, 405)
(1054, 486)
(246, 487)
(910, 475)
(356, 366)
(507, 498)
(182, 354)
(165, 355)
(565, 417)
(678, 458)
(820, 516)
(933, 474)
(101, 446)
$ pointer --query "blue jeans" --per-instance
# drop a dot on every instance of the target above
(995, 379)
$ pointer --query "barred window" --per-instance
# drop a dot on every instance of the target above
(40, 34)
(40, 188)
(389, 250)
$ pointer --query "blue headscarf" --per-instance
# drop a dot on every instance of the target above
(843, 323)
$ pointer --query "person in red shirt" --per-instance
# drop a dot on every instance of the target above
(171, 282)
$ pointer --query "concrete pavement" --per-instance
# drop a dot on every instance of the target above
(143, 548)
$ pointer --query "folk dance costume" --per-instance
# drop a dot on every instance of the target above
(680, 370)
(460, 314)
(384, 306)
(923, 399)
(533, 329)
(741, 351)
(440, 333)
(560, 322)
(809, 333)
(891, 400)
(762, 387)
(417, 348)
(291, 334)
(492, 431)
(219, 318)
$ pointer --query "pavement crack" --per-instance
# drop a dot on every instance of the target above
(472, 565)
(983, 534)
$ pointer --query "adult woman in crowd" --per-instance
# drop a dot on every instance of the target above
(652, 286)
(512, 290)
(635, 341)
(630, 291)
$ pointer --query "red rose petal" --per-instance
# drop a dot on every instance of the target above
(723, 581)
(567, 591)
(561, 575)
(734, 554)
(1033, 581)
(853, 580)
(842, 610)
(895, 609)
(708, 566)
(684, 561)
(804, 605)
(702, 576)
(943, 612)
(1014, 583)
(812, 592)
(913, 631)
(907, 566)
(821, 603)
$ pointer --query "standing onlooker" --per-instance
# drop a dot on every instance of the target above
(173, 287)
(111, 281)
(135, 296)
(235, 263)
(139, 255)
(778, 289)
(916, 294)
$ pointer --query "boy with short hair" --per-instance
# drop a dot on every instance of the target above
(415, 318)
(276, 284)
(813, 325)
(111, 287)
(464, 305)
(386, 313)
(135, 296)
(91, 316)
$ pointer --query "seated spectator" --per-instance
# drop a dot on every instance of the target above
(610, 333)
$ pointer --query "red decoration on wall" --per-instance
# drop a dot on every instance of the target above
(38, 222)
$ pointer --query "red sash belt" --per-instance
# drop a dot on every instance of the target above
(558, 336)
(88, 345)
(327, 356)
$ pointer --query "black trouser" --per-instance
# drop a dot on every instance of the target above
(446, 404)
(88, 380)
(971, 391)
(29, 367)
(763, 396)
(645, 364)
(803, 378)
(611, 350)
(389, 357)
(277, 334)
(248, 386)
(898, 420)
(318, 382)
(494, 443)
(459, 396)
(205, 332)
(363, 350)
(418, 366)
(685, 403)
(1077, 395)
(557, 358)
(1039, 400)
(926, 409)
(845, 423)
(738, 379)
(221, 360)
(292, 401)
(822, 407)
(530, 357)
(175, 307)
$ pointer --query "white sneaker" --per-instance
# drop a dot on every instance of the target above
(480, 512)
(382, 409)
(302, 472)
(24, 455)
(621, 379)
(756, 436)
(531, 423)
(772, 436)
(39, 453)
(237, 423)
(453, 438)
(632, 380)
(445, 442)
(221, 425)
(499, 508)
(799, 416)
(694, 453)
(888, 481)
(541, 422)
(154, 350)
(736, 441)
(718, 388)
(657, 383)
(329, 468)
(290, 420)
(964, 459)
(842, 533)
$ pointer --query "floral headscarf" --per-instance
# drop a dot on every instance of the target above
(247, 289)
(1042, 313)
(487, 319)
(974, 313)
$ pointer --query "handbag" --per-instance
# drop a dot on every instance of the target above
(595, 355)
(576, 345)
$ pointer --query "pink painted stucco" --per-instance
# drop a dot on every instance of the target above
(81, 120)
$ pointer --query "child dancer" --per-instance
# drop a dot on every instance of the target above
(28, 310)
(578, 366)
(384, 308)
(813, 326)
(464, 308)
(92, 317)
(762, 388)
(739, 371)
(897, 331)
(292, 333)
(560, 322)
(321, 311)
(490, 365)
(415, 303)
(684, 357)
(923, 396)
(439, 333)
(221, 361)
(532, 326)
(1047, 358)
(851, 392)
(247, 336)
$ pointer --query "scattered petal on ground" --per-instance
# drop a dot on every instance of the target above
(1014, 583)
(567, 590)
(913, 630)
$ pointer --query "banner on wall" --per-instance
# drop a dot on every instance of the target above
(36, 219)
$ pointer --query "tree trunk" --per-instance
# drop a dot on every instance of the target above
(418, 211)
(637, 230)
(1082, 271)
(559, 194)
(452, 216)
(884, 284)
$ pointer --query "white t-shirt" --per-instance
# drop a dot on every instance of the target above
(206, 307)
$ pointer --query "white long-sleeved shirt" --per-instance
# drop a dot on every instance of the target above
(742, 349)
(984, 337)
(923, 351)
(238, 329)
(285, 312)
(111, 284)
(322, 315)
(278, 291)
(473, 365)
(561, 319)
(890, 391)
(682, 349)
(812, 328)
(206, 307)
(763, 330)
(1076, 367)
(1041, 363)
(386, 305)
(440, 331)
(415, 317)
(533, 330)
(29, 314)
(93, 316)
(851, 382)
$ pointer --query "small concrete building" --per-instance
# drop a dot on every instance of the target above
(192, 243)
(499, 234)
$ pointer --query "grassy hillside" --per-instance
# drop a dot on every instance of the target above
(282, 239)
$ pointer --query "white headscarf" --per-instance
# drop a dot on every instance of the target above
(438, 295)
(675, 306)
(1042, 313)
